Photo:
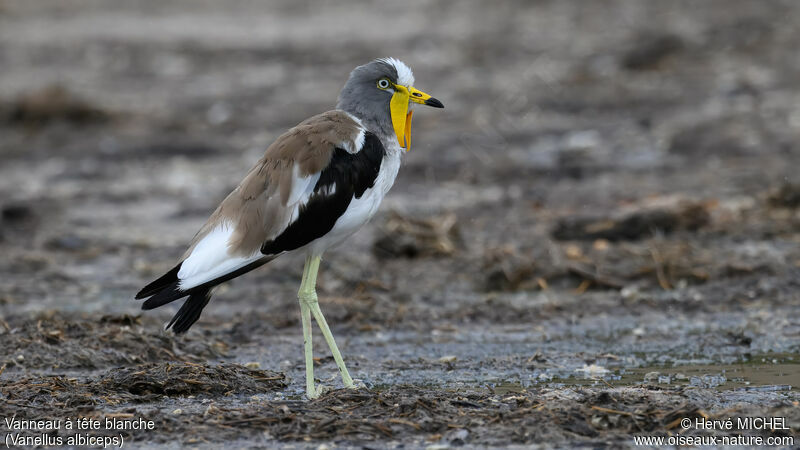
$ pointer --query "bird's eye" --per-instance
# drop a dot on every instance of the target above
(383, 83)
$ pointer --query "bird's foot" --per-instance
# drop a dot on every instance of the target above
(356, 385)
(319, 391)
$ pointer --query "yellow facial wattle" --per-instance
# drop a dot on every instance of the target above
(399, 109)
(407, 130)
(401, 116)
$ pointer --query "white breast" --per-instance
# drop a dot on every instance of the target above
(361, 209)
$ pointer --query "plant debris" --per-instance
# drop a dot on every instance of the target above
(142, 383)
(786, 196)
(182, 379)
(409, 237)
(53, 103)
(61, 343)
(650, 50)
(633, 225)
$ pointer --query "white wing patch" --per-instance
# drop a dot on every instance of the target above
(302, 187)
(210, 259)
(356, 144)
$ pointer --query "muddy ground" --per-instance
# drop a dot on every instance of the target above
(598, 237)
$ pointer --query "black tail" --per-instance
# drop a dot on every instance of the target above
(160, 284)
(190, 311)
(166, 289)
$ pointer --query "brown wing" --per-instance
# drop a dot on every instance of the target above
(256, 212)
(262, 205)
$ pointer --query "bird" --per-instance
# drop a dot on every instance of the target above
(315, 186)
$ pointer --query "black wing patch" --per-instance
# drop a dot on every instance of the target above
(347, 176)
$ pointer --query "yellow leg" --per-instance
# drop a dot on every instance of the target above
(309, 301)
(308, 349)
(326, 332)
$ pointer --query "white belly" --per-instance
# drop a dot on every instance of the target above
(360, 210)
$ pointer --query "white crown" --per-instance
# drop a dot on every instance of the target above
(405, 77)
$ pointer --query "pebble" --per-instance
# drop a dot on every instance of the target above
(651, 376)
(593, 370)
(630, 292)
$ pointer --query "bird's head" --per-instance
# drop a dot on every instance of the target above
(380, 94)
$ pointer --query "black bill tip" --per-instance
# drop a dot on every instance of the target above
(433, 102)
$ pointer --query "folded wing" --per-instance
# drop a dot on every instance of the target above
(293, 195)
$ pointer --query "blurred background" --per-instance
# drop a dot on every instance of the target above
(613, 185)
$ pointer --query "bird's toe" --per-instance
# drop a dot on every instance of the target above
(322, 390)
(357, 384)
